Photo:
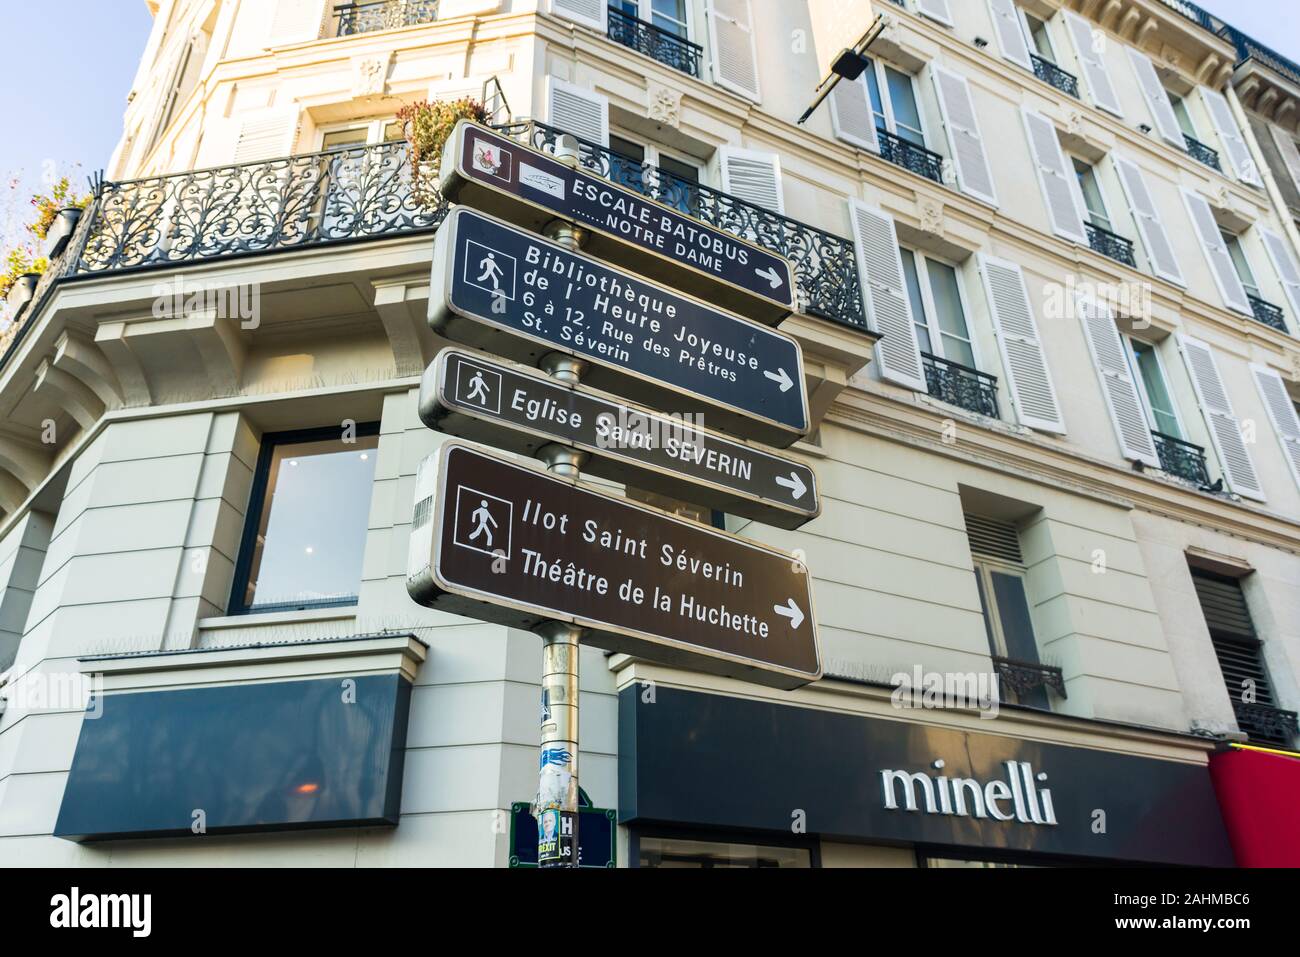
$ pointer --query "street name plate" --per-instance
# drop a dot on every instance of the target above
(520, 409)
(508, 543)
(643, 341)
(483, 169)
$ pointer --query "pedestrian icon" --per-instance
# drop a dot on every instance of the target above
(490, 270)
(483, 522)
(479, 386)
(482, 518)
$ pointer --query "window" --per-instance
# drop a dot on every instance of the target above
(305, 531)
(681, 852)
(673, 180)
(893, 102)
(1036, 30)
(1241, 264)
(1184, 117)
(938, 308)
(1150, 377)
(361, 134)
(1241, 659)
(671, 16)
(1092, 197)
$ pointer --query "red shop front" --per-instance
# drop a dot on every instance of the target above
(1259, 796)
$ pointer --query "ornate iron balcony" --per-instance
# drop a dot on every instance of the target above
(1202, 153)
(1265, 723)
(1024, 677)
(357, 18)
(1182, 459)
(1111, 244)
(1267, 313)
(905, 153)
(1050, 73)
(655, 42)
(350, 193)
(961, 385)
(825, 265)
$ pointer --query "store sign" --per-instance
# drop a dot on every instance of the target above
(509, 543)
(510, 292)
(488, 171)
(519, 409)
(1014, 797)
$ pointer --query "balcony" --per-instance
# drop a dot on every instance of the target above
(1028, 679)
(1265, 724)
(961, 385)
(905, 153)
(656, 43)
(357, 18)
(1111, 244)
(1202, 153)
(1053, 75)
(1182, 459)
(1267, 313)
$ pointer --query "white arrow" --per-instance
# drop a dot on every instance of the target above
(782, 377)
(790, 611)
(794, 483)
(771, 275)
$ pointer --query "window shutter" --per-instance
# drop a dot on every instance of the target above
(935, 10)
(1162, 111)
(1028, 380)
(1282, 412)
(851, 115)
(1290, 153)
(889, 311)
(1093, 64)
(1216, 104)
(1154, 238)
(1055, 177)
(1216, 409)
(964, 140)
(1010, 33)
(577, 110)
(589, 13)
(731, 42)
(1113, 369)
(1216, 253)
(1287, 273)
(297, 21)
(267, 137)
(753, 176)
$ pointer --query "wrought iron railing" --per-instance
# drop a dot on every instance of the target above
(1192, 12)
(1111, 244)
(1024, 677)
(1181, 459)
(1249, 49)
(1262, 722)
(1050, 73)
(825, 266)
(910, 156)
(1267, 313)
(961, 385)
(1202, 153)
(357, 18)
(343, 194)
(655, 42)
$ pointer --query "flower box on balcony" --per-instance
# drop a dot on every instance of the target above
(22, 291)
(61, 230)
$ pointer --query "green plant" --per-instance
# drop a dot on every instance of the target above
(426, 127)
(18, 263)
(48, 205)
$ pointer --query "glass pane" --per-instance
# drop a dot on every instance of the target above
(1013, 614)
(630, 7)
(948, 313)
(393, 131)
(350, 137)
(679, 169)
(873, 90)
(669, 15)
(907, 118)
(914, 296)
(627, 172)
(312, 532)
(1153, 380)
(1091, 195)
(670, 852)
(984, 609)
(1042, 42)
(962, 862)
(1239, 261)
(1184, 118)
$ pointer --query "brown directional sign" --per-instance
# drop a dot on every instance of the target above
(517, 408)
(483, 169)
(509, 543)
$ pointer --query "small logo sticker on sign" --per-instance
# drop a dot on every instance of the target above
(541, 181)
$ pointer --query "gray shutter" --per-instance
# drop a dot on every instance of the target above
(1010, 32)
(884, 293)
(1286, 145)
(1055, 177)
(1216, 409)
(935, 10)
(1216, 253)
(1234, 144)
(1279, 253)
(297, 21)
(1116, 375)
(1160, 252)
(731, 42)
(1029, 382)
(851, 115)
(753, 176)
(269, 136)
(577, 110)
(1092, 63)
(1282, 413)
(964, 140)
(590, 13)
(1162, 111)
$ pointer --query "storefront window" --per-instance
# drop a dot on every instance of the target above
(677, 852)
(961, 862)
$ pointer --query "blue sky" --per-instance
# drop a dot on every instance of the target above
(68, 67)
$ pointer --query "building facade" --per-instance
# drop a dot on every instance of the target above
(1047, 262)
